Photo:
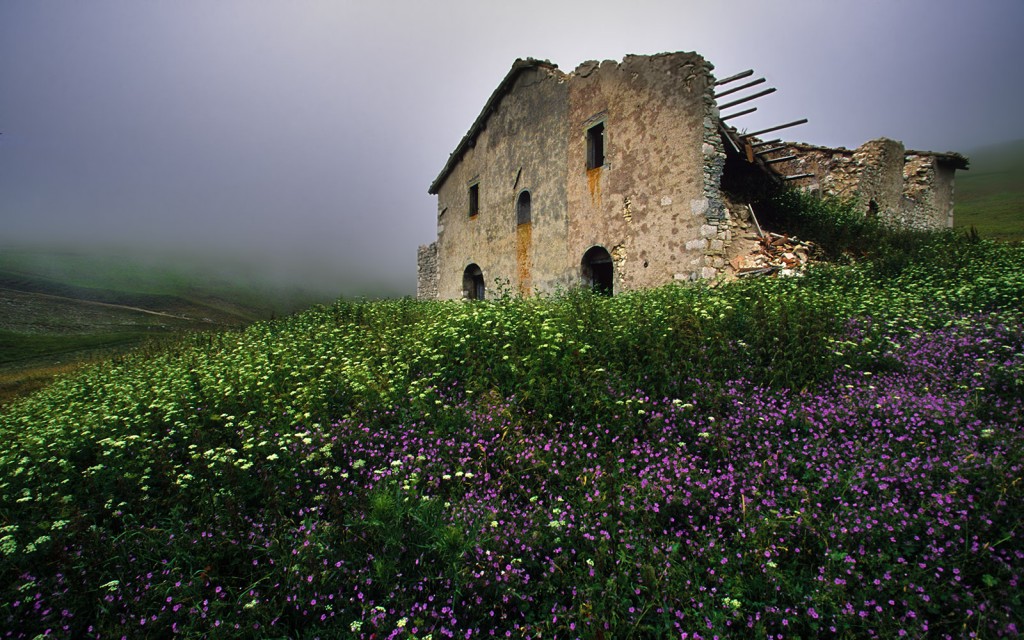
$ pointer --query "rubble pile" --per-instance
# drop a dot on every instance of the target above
(775, 254)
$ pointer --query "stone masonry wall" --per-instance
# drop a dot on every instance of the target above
(716, 233)
(650, 204)
(426, 272)
(903, 188)
(880, 167)
(928, 193)
(835, 172)
(521, 147)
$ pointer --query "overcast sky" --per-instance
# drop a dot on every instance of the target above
(305, 134)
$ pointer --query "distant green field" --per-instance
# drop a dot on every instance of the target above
(18, 346)
(990, 196)
(156, 283)
(65, 308)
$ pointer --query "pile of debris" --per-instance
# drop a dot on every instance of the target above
(775, 254)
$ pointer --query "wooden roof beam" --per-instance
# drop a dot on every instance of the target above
(739, 88)
(738, 114)
(738, 76)
(781, 126)
(747, 99)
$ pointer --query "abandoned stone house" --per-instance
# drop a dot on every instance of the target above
(611, 176)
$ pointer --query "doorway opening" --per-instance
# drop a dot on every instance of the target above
(473, 283)
(598, 270)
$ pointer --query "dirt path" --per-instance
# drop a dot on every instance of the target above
(107, 305)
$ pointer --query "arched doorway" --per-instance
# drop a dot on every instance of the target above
(473, 283)
(598, 270)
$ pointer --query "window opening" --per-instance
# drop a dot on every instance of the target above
(474, 200)
(473, 283)
(523, 208)
(595, 146)
(598, 270)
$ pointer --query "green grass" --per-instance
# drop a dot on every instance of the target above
(990, 196)
(16, 346)
(164, 283)
(63, 307)
(836, 455)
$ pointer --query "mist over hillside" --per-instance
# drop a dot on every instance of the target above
(281, 282)
(990, 194)
(64, 306)
(1005, 157)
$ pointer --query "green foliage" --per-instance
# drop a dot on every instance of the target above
(16, 346)
(840, 229)
(228, 462)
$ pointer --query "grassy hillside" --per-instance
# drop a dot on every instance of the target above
(990, 196)
(837, 455)
(183, 284)
(63, 307)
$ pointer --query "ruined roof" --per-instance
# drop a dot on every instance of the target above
(492, 103)
(957, 160)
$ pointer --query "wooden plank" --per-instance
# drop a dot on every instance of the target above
(742, 74)
(782, 159)
(761, 144)
(781, 126)
(760, 234)
(728, 136)
(739, 88)
(798, 176)
(747, 99)
(738, 114)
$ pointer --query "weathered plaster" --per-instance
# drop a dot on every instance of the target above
(656, 203)
(654, 110)
(521, 147)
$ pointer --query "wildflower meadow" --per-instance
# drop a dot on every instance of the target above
(838, 455)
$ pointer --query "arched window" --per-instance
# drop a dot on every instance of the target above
(523, 208)
(473, 283)
(598, 270)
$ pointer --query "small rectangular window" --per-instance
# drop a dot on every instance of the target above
(474, 200)
(595, 146)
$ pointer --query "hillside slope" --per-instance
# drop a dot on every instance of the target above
(835, 455)
(60, 308)
(990, 196)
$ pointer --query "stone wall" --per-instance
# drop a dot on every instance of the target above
(717, 230)
(654, 203)
(928, 192)
(521, 146)
(650, 203)
(909, 189)
(657, 190)
(879, 166)
(426, 272)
